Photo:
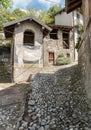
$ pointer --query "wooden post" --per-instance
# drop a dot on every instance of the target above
(89, 7)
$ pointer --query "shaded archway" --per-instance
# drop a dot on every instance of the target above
(28, 38)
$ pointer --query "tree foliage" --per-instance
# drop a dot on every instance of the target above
(81, 30)
(6, 3)
(6, 15)
(17, 14)
(51, 12)
(46, 17)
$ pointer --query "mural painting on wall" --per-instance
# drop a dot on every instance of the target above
(28, 54)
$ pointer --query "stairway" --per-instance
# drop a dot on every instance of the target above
(57, 102)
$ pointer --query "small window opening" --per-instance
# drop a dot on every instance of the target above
(54, 34)
(78, 16)
(66, 40)
(28, 38)
(68, 55)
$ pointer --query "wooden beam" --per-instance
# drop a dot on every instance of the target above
(72, 5)
(18, 23)
(71, 2)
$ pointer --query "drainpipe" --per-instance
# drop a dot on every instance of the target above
(73, 34)
(12, 60)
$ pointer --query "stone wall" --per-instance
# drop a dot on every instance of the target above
(5, 71)
(19, 32)
(22, 71)
(56, 46)
(85, 9)
(85, 59)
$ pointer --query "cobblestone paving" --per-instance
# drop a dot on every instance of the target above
(58, 102)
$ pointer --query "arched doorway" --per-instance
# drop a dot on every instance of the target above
(28, 38)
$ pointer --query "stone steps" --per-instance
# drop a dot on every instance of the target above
(57, 102)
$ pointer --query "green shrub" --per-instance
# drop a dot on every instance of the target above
(2, 37)
(60, 55)
(7, 45)
(63, 61)
(78, 42)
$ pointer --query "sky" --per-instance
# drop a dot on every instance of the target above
(38, 4)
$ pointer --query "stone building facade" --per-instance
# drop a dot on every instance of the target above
(59, 41)
(27, 47)
(31, 51)
(74, 19)
(85, 48)
(85, 44)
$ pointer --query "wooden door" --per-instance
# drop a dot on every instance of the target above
(51, 57)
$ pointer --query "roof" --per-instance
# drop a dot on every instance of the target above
(62, 27)
(71, 5)
(9, 26)
(62, 10)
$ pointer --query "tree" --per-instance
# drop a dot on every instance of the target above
(81, 30)
(6, 3)
(46, 17)
(4, 17)
(42, 16)
(32, 12)
(51, 12)
(4, 13)
(17, 14)
(7, 16)
(38, 14)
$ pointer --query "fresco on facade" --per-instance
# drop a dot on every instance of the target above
(28, 54)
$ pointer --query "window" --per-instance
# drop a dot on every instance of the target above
(68, 55)
(65, 40)
(54, 34)
(28, 38)
(78, 16)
